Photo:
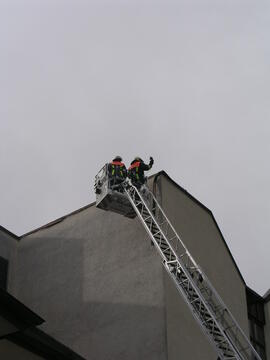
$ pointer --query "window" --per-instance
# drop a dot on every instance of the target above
(256, 322)
(3, 273)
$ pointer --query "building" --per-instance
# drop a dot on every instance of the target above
(104, 294)
(20, 337)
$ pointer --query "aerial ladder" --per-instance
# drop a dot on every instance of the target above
(213, 316)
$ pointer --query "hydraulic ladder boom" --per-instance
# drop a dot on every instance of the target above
(214, 318)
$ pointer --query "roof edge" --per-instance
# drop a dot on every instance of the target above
(266, 296)
(253, 292)
(56, 221)
(60, 219)
(162, 172)
(16, 237)
(155, 176)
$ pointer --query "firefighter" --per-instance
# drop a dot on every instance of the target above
(136, 175)
(117, 173)
(136, 171)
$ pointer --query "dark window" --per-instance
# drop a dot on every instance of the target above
(260, 312)
(3, 273)
(256, 322)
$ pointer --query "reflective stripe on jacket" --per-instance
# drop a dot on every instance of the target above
(117, 165)
(134, 169)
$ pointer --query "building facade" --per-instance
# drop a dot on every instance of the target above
(102, 289)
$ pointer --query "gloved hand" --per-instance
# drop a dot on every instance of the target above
(151, 161)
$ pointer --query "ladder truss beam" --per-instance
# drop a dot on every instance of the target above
(214, 318)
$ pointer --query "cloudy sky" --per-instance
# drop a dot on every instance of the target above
(186, 81)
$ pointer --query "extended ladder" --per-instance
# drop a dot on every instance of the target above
(214, 318)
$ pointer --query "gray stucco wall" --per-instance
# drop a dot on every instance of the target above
(98, 283)
(102, 290)
(8, 250)
(267, 327)
(200, 234)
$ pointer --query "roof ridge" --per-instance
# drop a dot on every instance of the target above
(162, 172)
(58, 220)
(9, 232)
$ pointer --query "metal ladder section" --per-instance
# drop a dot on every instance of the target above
(214, 318)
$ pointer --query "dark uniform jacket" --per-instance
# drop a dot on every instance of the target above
(136, 171)
(117, 169)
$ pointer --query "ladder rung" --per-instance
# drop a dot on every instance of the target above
(182, 282)
(165, 247)
(195, 300)
(223, 341)
(207, 321)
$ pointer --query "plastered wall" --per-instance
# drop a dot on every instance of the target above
(102, 289)
(200, 234)
(98, 283)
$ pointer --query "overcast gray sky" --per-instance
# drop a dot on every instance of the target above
(187, 82)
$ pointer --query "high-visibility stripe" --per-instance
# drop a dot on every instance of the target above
(137, 173)
(117, 163)
(136, 164)
(135, 168)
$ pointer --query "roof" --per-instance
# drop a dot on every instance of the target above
(155, 176)
(58, 220)
(54, 222)
(255, 295)
(163, 173)
(9, 232)
(267, 296)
